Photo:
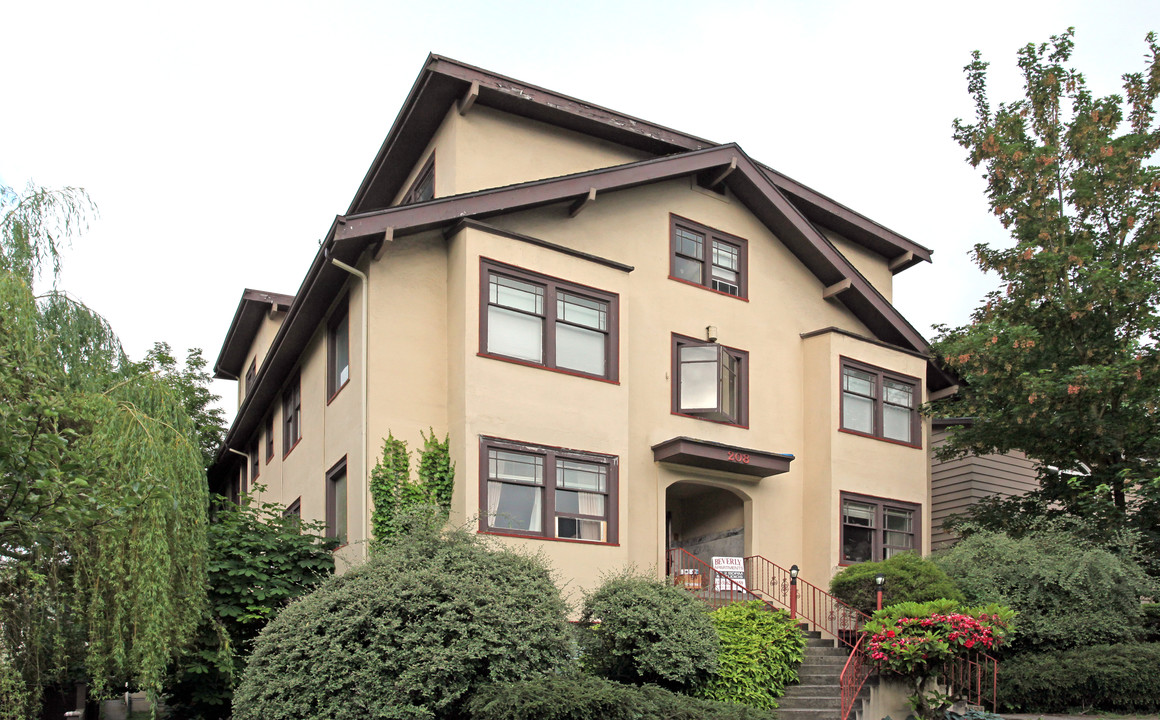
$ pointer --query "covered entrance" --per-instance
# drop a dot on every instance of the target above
(704, 520)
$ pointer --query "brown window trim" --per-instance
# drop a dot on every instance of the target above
(880, 502)
(879, 400)
(294, 509)
(427, 173)
(292, 416)
(548, 513)
(269, 437)
(342, 314)
(551, 285)
(251, 374)
(255, 458)
(710, 234)
(742, 421)
(332, 501)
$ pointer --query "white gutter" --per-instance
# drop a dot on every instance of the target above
(365, 372)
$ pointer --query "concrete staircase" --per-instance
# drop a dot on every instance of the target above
(818, 694)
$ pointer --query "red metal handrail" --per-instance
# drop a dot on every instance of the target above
(854, 675)
(971, 677)
(698, 577)
(807, 601)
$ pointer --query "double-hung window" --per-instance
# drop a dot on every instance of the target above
(337, 352)
(291, 415)
(707, 257)
(710, 381)
(541, 320)
(876, 529)
(251, 374)
(880, 403)
(336, 510)
(270, 436)
(546, 491)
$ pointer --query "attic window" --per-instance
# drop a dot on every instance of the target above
(700, 255)
(423, 189)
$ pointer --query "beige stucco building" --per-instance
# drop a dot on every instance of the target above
(635, 339)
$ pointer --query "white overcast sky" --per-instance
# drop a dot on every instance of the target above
(219, 139)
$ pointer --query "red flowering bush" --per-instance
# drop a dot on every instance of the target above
(915, 640)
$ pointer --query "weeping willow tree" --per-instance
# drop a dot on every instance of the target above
(102, 487)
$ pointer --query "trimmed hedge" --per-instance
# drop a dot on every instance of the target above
(589, 698)
(760, 654)
(1068, 593)
(909, 578)
(1116, 678)
(640, 630)
(409, 634)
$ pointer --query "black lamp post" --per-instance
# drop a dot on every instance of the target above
(793, 573)
(879, 583)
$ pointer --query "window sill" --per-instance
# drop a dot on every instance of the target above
(336, 392)
(674, 278)
(549, 539)
(340, 547)
(561, 371)
(710, 420)
(917, 446)
(287, 453)
(269, 458)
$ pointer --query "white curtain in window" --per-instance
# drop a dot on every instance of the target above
(896, 423)
(857, 413)
(514, 507)
(515, 334)
(579, 349)
(591, 504)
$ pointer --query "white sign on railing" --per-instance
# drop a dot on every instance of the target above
(728, 568)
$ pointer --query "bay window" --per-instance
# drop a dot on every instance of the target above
(546, 491)
(880, 403)
(877, 529)
(540, 320)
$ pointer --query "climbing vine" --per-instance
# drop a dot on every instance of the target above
(396, 495)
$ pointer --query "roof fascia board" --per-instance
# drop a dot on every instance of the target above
(223, 367)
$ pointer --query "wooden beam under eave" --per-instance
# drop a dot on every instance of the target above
(724, 173)
(469, 98)
(388, 238)
(582, 203)
(944, 393)
(838, 287)
(902, 260)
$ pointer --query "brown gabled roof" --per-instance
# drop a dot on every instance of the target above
(444, 81)
(247, 319)
(749, 183)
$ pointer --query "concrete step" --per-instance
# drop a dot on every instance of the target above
(809, 703)
(813, 690)
(831, 651)
(817, 660)
(808, 714)
(819, 642)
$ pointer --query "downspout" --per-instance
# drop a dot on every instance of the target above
(365, 372)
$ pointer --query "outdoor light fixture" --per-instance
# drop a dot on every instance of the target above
(793, 573)
(879, 580)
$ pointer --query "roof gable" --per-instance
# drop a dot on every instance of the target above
(444, 82)
(244, 327)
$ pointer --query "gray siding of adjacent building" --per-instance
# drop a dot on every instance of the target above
(955, 485)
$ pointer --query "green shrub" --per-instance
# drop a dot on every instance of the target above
(640, 630)
(909, 578)
(1114, 678)
(760, 653)
(1151, 622)
(1067, 592)
(409, 634)
(590, 698)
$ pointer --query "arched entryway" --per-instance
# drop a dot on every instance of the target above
(705, 520)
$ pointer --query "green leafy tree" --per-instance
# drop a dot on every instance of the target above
(259, 560)
(1062, 361)
(192, 382)
(102, 486)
